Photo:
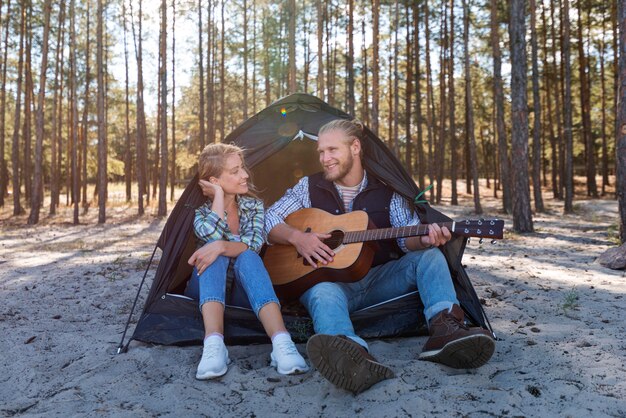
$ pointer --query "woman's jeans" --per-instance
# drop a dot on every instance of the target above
(330, 304)
(249, 271)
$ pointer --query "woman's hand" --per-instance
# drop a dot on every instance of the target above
(205, 256)
(210, 190)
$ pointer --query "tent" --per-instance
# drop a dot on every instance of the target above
(280, 143)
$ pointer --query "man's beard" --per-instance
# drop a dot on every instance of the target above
(342, 169)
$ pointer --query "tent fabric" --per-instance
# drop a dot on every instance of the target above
(279, 144)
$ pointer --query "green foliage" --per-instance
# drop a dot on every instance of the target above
(570, 301)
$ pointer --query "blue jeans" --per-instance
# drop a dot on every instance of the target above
(249, 271)
(330, 304)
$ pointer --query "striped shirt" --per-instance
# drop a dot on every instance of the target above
(209, 227)
(348, 194)
(297, 198)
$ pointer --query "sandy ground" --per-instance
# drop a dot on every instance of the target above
(66, 292)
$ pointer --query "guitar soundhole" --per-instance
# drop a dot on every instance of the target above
(335, 240)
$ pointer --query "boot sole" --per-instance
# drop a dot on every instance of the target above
(341, 363)
(466, 353)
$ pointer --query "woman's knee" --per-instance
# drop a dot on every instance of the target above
(248, 260)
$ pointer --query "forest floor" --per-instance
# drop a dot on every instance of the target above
(67, 290)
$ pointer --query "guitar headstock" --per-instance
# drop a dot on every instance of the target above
(480, 228)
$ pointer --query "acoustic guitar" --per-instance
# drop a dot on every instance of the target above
(292, 275)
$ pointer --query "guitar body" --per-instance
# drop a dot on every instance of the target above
(292, 275)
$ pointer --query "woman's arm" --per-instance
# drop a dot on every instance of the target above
(253, 233)
(205, 256)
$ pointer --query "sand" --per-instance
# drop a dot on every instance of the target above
(66, 292)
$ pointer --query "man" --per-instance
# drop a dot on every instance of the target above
(336, 351)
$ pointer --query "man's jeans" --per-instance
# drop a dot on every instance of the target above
(249, 271)
(330, 304)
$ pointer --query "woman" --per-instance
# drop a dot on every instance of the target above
(229, 228)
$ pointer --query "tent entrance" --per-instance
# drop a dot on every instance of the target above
(280, 149)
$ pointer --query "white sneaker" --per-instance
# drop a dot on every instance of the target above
(285, 356)
(214, 361)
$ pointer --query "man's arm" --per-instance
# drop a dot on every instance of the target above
(400, 215)
(309, 245)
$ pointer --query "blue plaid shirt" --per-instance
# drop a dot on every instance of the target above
(210, 227)
(297, 198)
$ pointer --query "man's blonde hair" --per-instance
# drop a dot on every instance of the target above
(351, 128)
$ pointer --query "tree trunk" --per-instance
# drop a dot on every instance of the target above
(536, 111)
(162, 211)
(291, 4)
(102, 151)
(37, 196)
(3, 100)
(421, 172)
(443, 117)
(375, 65)
(245, 57)
(141, 145)
(350, 59)
(567, 111)
(128, 159)
(592, 188)
(266, 59)
(365, 111)
(27, 165)
(15, 150)
(210, 79)
(84, 132)
(522, 217)
(201, 131)
(620, 145)
(173, 169)
(155, 165)
(454, 162)
(430, 105)
(469, 111)
(74, 108)
(548, 76)
(396, 93)
(254, 42)
(306, 34)
(222, 75)
(605, 153)
(320, 48)
(408, 151)
(57, 100)
(503, 155)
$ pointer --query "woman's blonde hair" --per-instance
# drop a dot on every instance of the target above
(213, 159)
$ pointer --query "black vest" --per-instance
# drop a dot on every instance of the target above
(375, 199)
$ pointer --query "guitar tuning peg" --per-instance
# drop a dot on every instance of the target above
(480, 241)
(494, 242)
(468, 240)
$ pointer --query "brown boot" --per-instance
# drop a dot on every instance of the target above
(455, 344)
(345, 363)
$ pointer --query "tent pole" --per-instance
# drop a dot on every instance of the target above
(121, 348)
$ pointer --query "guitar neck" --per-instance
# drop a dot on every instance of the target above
(391, 233)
